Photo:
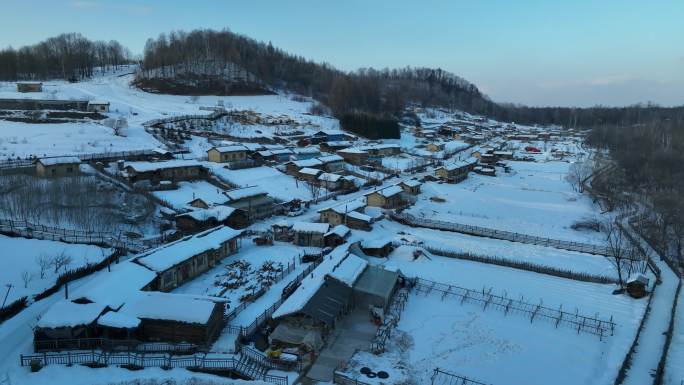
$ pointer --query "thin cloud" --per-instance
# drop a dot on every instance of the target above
(85, 4)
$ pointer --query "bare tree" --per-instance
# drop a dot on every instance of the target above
(615, 243)
(26, 277)
(578, 173)
(61, 260)
(314, 189)
(44, 262)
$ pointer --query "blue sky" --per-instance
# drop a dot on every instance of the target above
(579, 52)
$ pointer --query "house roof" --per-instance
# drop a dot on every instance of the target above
(328, 177)
(60, 160)
(226, 149)
(154, 305)
(118, 320)
(309, 171)
(169, 255)
(411, 183)
(245, 192)
(114, 288)
(346, 207)
(387, 192)
(310, 227)
(349, 270)
(330, 158)
(339, 230)
(220, 213)
(153, 166)
(69, 314)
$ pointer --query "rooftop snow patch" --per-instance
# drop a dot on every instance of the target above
(65, 314)
(154, 166)
(125, 280)
(310, 227)
(59, 160)
(309, 171)
(247, 192)
(226, 149)
(167, 256)
(220, 213)
(346, 207)
(310, 285)
(388, 192)
(349, 270)
(154, 305)
(328, 177)
(339, 230)
(412, 183)
(118, 320)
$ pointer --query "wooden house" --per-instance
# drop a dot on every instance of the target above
(310, 234)
(254, 201)
(637, 285)
(58, 166)
(377, 247)
(354, 156)
(388, 197)
(411, 186)
(330, 182)
(98, 106)
(306, 153)
(205, 218)
(337, 236)
(170, 317)
(455, 172)
(345, 213)
(332, 163)
(293, 167)
(67, 320)
(173, 170)
(29, 87)
(308, 174)
(334, 146)
(227, 154)
(282, 231)
(180, 261)
(331, 136)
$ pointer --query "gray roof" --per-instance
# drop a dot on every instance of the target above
(377, 281)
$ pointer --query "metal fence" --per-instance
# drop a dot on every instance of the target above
(384, 332)
(581, 323)
(500, 234)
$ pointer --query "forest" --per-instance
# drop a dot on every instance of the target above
(69, 56)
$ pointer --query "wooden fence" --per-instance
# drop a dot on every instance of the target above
(343, 379)
(197, 362)
(499, 234)
(443, 377)
(384, 332)
(581, 323)
(38, 231)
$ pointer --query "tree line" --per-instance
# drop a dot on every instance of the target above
(69, 56)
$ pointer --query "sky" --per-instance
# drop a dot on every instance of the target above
(533, 52)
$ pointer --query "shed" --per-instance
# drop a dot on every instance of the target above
(375, 287)
(376, 247)
(98, 106)
(637, 285)
(58, 166)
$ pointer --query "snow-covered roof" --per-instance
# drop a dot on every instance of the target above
(349, 270)
(307, 150)
(339, 230)
(233, 148)
(307, 163)
(194, 309)
(330, 158)
(346, 207)
(310, 227)
(99, 102)
(220, 213)
(114, 288)
(118, 320)
(387, 192)
(59, 160)
(412, 182)
(169, 255)
(360, 216)
(376, 243)
(310, 285)
(153, 166)
(245, 192)
(328, 177)
(353, 150)
(69, 314)
(641, 278)
(309, 171)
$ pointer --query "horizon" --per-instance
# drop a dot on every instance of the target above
(531, 53)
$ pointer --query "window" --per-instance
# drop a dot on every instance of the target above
(53, 171)
(70, 169)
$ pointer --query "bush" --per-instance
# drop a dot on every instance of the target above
(36, 365)
(13, 308)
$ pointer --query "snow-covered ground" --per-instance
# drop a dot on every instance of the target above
(278, 184)
(535, 199)
(20, 257)
(497, 348)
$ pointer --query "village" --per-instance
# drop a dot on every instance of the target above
(250, 239)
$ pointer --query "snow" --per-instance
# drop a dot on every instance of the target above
(388, 192)
(60, 160)
(412, 183)
(346, 207)
(534, 199)
(309, 171)
(220, 213)
(186, 192)
(310, 285)
(309, 227)
(115, 287)
(169, 255)
(69, 314)
(279, 185)
(339, 230)
(21, 256)
(246, 192)
(186, 308)
(118, 320)
(143, 166)
(226, 149)
(349, 270)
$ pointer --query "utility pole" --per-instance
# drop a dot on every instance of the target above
(9, 287)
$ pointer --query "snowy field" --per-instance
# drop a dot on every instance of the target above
(186, 192)
(539, 255)
(278, 184)
(20, 257)
(498, 349)
(535, 199)
(49, 139)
